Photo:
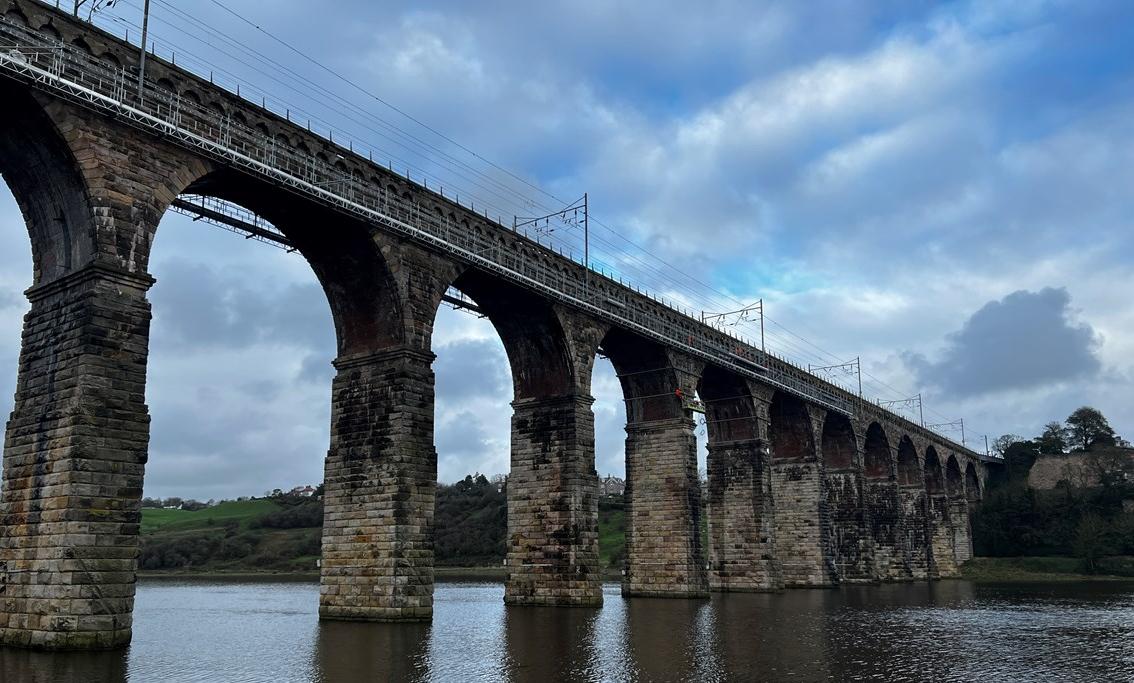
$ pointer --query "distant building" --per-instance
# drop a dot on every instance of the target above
(612, 486)
(305, 491)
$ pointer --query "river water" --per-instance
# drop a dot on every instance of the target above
(947, 631)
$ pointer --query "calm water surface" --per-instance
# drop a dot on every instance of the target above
(949, 631)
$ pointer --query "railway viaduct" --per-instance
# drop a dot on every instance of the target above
(809, 484)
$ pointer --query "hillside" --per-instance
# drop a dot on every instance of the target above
(283, 533)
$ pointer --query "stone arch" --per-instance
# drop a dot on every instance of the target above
(973, 491)
(49, 29)
(730, 410)
(369, 307)
(954, 482)
(934, 484)
(82, 44)
(789, 428)
(909, 470)
(537, 345)
(838, 442)
(877, 455)
(651, 385)
(41, 171)
(16, 15)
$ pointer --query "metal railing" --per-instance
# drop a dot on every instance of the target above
(49, 64)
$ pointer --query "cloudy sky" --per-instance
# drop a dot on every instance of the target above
(940, 188)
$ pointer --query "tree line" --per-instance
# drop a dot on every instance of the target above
(1090, 518)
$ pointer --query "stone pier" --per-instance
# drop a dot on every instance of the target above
(883, 503)
(851, 543)
(74, 455)
(553, 488)
(911, 561)
(942, 555)
(797, 487)
(380, 480)
(664, 554)
(553, 504)
(958, 512)
(742, 531)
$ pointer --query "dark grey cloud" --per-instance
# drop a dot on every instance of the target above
(462, 438)
(197, 306)
(474, 369)
(1025, 340)
(317, 369)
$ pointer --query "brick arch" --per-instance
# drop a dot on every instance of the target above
(877, 456)
(838, 442)
(934, 483)
(789, 428)
(954, 480)
(909, 470)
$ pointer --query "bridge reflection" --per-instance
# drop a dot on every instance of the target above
(797, 635)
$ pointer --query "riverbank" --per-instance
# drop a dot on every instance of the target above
(1033, 569)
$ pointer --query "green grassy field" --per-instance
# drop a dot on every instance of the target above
(612, 536)
(169, 520)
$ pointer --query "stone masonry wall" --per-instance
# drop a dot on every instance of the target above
(852, 546)
(802, 523)
(74, 453)
(380, 488)
(664, 556)
(553, 556)
(962, 535)
(798, 492)
(943, 562)
(912, 561)
(742, 540)
(885, 526)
